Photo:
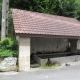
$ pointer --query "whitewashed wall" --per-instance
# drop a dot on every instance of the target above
(48, 45)
(78, 44)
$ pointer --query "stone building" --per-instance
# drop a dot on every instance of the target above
(38, 32)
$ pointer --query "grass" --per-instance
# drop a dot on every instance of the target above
(54, 65)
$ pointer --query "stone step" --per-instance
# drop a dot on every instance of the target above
(35, 65)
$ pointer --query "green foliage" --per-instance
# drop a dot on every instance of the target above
(45, 6)
(51, 65)
(6, 53)
(8, 47)
(70, 8)
(10, 26)
(4, 43)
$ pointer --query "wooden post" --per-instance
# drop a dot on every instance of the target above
(4, 28)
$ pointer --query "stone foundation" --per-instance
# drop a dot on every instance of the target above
(61, 60)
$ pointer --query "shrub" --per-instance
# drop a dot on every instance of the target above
(6, 53)
(8, 48)
(4, 43)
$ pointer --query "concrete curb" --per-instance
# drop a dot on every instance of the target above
(8, 73)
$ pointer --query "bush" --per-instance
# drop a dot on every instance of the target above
(8, 48)
(6, 53)
(4, 43)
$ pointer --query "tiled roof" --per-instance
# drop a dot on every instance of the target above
(27, 22)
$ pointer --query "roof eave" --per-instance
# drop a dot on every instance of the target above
(49, 36)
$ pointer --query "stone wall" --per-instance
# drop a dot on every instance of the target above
(48, 45)
(78, 45)
(73, 45)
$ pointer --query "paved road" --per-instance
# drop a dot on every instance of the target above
(61, 73)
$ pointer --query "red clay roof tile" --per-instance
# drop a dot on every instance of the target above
(27, 22)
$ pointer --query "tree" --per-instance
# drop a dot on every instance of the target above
(45, 6)
(69, 8)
